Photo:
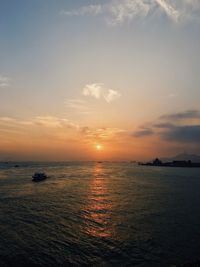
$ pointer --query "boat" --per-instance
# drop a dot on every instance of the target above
(39, 176)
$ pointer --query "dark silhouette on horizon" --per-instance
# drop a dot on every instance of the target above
(175, 163)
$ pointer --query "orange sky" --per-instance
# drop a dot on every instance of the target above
(121, 74)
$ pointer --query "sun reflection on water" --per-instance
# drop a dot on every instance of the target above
(99, 206)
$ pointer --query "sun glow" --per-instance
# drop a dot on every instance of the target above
(98, 147)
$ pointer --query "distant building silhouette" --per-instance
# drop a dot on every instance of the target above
(175, 163)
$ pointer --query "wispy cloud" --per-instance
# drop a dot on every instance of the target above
(90, 9)
(55, 122)
(188, 114)
(168, 8)
(47, 132)
(143, 132)
(40, 121)
(119, 11)
(111, 95)
(55, 128)
(101, 135)
(78, 104)
(4, 81)
(98, 90)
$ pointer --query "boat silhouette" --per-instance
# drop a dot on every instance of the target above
(39, 176)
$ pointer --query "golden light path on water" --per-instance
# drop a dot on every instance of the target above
(99, 205)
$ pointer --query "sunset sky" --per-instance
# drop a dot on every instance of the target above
(99, 80)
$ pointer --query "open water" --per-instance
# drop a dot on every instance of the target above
(99, 214)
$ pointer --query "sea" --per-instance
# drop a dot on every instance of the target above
(98, 214)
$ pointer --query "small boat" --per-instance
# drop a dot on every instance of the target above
(39, 176)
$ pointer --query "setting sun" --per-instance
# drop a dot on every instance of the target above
(99, 147)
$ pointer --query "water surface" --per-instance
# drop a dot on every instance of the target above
(98, 214)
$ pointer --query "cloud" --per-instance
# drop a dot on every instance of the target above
(4, 81)
(94, 89)
(121, 11)
(142, 132)
(91, 135)
(40, 121)
(163, 125)
(77, 104)
(54, 122)
(168, 9)
(57, 123)
(111, 95)
(183, 134)
(188, 114)
(98, 90)
(90, 9)
(181, 127)
(117, 11)
(55, 129)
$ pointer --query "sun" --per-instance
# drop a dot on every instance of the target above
(98, 147)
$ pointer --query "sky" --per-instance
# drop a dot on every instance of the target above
(99, 80)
